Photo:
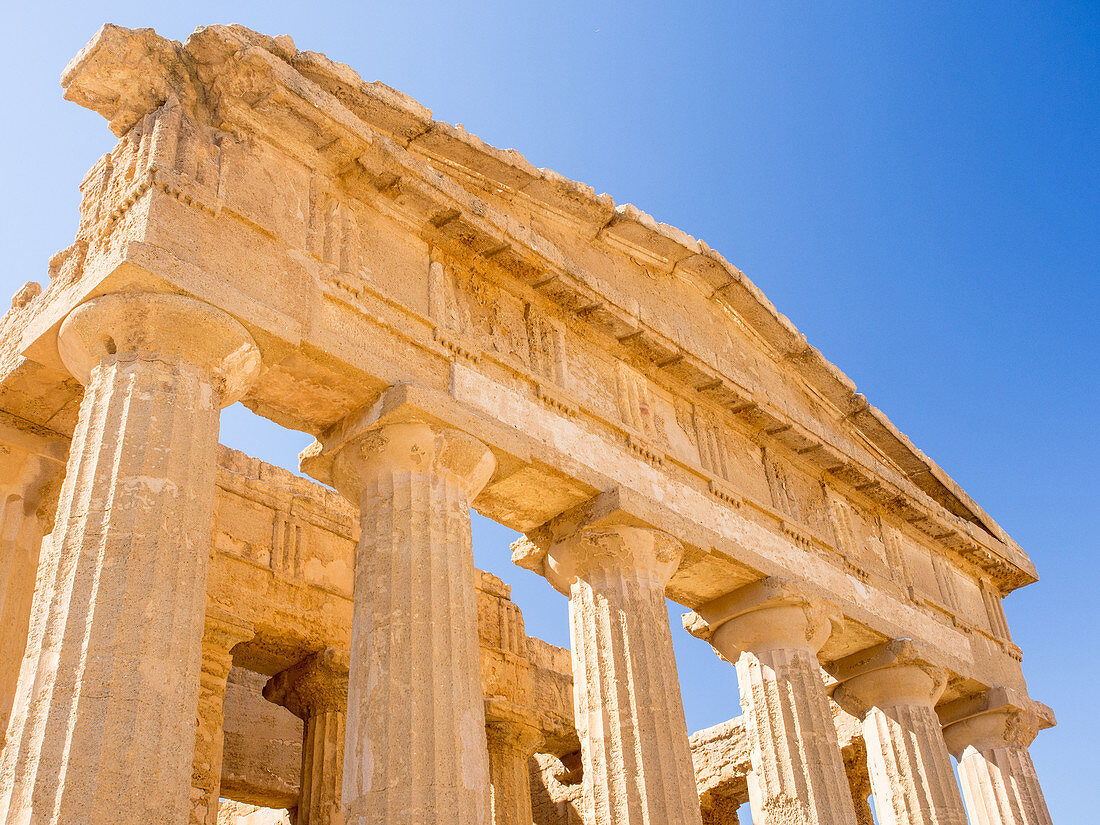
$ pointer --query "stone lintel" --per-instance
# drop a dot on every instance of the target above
(136, 266)
(994, 700)
(501, 710)
(33, 438)
(772, 591)
(412, 403)
(314, 685)
(237, 63)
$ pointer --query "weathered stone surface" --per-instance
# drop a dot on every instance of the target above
(614, 567)
(893, 689)
(241, 813)
(32, 460)
(457, 329)
(114, 652)
(221, 633)
(414, 647)
(989, 735)
(773, 631)
(722, 764)
(316, 691)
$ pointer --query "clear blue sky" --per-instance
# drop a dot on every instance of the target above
(917, 187)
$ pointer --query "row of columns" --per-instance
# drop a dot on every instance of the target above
(772, 631)
(105, 708)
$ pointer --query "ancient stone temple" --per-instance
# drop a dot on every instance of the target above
(183, 624)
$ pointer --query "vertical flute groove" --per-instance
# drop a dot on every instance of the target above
(416, 746)
(130, 556)
(911, 775)
(628, 706)
(794, 751)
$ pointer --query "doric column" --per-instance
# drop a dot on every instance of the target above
(614, 567)
(416, 748)
(893, 689)
(316, 691)
(31, 460)
(990, 735)
(772, 631)
(104, 724)
(512, 728)
(221, 633)
(512, 740)
(20, 542)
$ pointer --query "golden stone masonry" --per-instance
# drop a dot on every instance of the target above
(190, 636)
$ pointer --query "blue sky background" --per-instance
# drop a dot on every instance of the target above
(917, 187)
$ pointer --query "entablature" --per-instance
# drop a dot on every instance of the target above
(377, 148)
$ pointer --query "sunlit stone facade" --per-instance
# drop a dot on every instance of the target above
(190, 635)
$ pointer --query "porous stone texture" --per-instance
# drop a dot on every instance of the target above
(773, 633)
(511, 745)
(262, 760)
(999, 783)
(241, 813)
(316, 691)
(893, 690)
(457, 329)
(114, 652)
(414, 646)
(557, 795)
(21, 536)
(221, 633)
(722, 765)
(636, 759)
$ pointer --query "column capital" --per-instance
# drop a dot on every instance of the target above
(317, 684)
(610, 531)
(997, 718)
(898, 672)
(407, 427)
(768, 614)
(224, 630)
(160, 327)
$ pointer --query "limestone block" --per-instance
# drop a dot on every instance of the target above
(262, 760)
(582, 346)
(316, 691)
(221, 633)
(414, 651)
(722, 763)
(241, 813)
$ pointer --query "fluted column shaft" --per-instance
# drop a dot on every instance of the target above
(511, 744)
(773, 635)
(416, 748)
(20, 543)
(628, 708)
(221, 633)
(911, 776)
(999, 782)
(104, 725)
(316, 691)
